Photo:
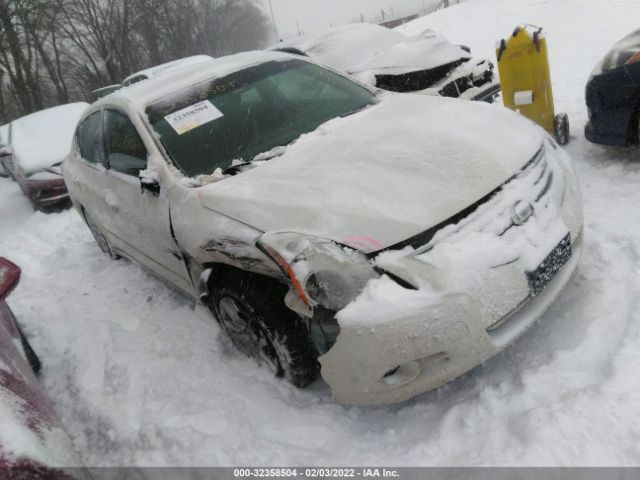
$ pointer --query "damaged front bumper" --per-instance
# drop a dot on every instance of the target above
(465, 295)
(469, 79)
(474, 80)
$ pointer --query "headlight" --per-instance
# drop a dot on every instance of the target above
(322, 272)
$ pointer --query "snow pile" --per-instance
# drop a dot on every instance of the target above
(43, 138)
(140, 377)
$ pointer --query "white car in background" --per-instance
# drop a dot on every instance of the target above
(395, 240)
(426, 63)
(150, 73)
(165, 68)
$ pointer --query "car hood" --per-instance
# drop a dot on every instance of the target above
(415, 55)
(363, 48)
(387, 173)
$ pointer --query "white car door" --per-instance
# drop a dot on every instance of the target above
(85, 174)
(140, 219)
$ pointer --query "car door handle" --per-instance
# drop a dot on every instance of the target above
(111, 199)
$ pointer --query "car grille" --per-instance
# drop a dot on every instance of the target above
(537, 178)
(415, 81)
(50, 192)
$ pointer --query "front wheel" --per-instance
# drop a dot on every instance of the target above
(100, 238)
(251, 311)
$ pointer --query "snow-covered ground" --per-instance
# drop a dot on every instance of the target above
(141, 377)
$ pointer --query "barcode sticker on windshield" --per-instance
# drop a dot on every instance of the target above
(193, 116)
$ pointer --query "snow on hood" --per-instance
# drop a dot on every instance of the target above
(383, 175)
(365, 47)
(43, 138)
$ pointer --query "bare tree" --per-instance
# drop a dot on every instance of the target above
(56, 51)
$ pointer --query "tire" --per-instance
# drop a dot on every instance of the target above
(561, 128)
(250, 309)
(7, 171)
(100, 238)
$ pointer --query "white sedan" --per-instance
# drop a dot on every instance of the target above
(392, 241)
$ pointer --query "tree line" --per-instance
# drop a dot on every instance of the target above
(56, 51)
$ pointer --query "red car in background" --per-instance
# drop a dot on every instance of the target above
(33, 151)
(33, 443)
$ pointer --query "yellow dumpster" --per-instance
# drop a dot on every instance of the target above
(523, 65)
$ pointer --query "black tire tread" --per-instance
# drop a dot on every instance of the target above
(95, 231)
(286, 330)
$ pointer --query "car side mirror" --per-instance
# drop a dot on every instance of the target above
(5, 151)
(150, 185)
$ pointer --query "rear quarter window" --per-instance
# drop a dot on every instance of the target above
(89, 138)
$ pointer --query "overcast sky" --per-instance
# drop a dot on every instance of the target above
(314, 15)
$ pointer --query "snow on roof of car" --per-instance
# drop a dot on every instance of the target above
(361, 47)
(144, 93)
(165, 67)
(43, 138)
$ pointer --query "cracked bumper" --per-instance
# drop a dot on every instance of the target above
(410, 342)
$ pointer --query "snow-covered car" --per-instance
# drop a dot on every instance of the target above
(33, 443)
(104, 91)
(393, 61)
(398, 239)
(38, 144)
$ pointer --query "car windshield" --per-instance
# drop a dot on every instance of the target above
(235, 118)
(622, 51)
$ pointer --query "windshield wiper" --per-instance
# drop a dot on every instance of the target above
(262, 157)
(356, 110)
(233, 169)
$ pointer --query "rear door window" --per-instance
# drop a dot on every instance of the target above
(89, 138)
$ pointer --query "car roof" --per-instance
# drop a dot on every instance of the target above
(165, 67)
(141, 94)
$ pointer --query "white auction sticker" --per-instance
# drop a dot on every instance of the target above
(193, 116)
